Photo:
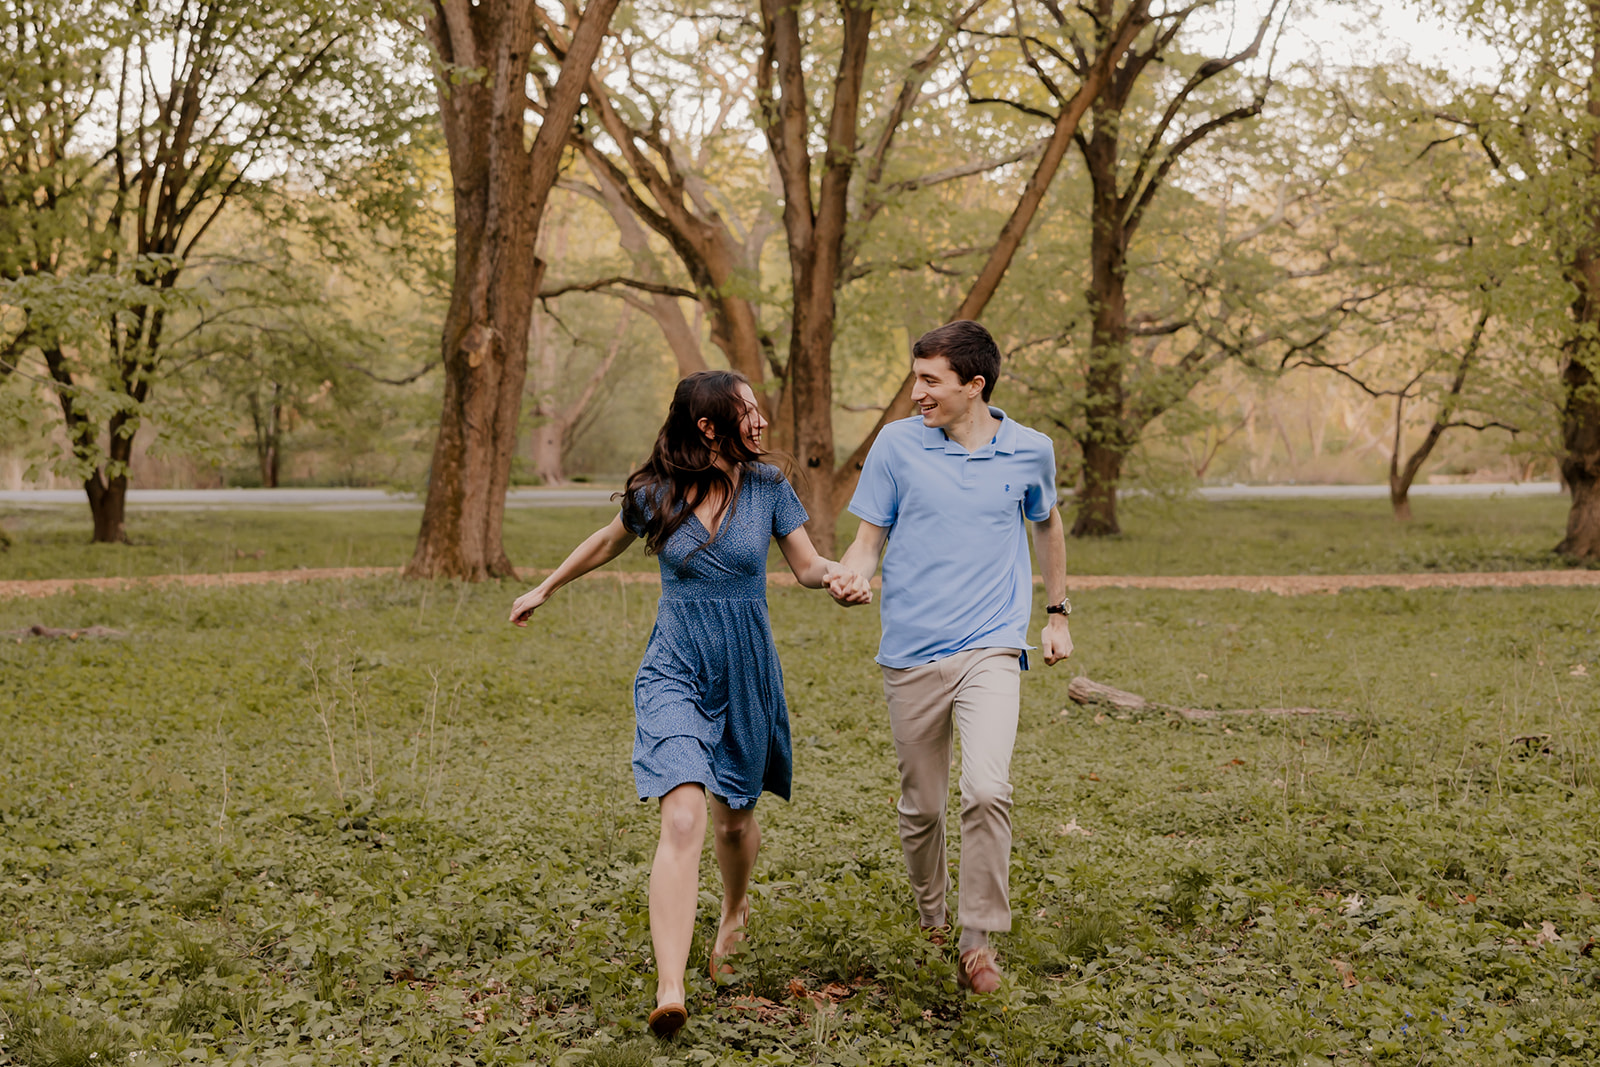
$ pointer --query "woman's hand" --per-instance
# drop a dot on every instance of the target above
(522, 610)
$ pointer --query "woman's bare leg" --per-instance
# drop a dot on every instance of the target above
(738, 838)
(675, 887)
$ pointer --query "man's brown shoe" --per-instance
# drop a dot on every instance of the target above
(979, 971)
(938, 936)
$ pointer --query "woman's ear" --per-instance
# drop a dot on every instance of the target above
(707, 429)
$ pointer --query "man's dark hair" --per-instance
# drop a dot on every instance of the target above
(968, 348)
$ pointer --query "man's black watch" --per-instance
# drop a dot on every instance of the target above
(1063, 608)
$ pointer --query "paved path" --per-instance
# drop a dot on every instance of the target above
(1281, 584)
(585, 496)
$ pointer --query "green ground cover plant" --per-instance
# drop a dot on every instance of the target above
(1185, 536)
(371, 823)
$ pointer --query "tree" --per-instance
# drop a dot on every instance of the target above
(1161, 102)
(1410, 233)
(486, 56)
(155, 119)
(836, 170)
(1539, 126)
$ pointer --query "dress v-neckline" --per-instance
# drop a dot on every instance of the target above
(722, 519)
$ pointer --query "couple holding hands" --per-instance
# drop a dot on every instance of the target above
(949, 491)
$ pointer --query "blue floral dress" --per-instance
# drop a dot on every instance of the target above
(708, 698)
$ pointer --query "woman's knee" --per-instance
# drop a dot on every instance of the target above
(736, 827)
(683, 818)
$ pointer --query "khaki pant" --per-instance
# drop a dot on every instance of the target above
(976, 692)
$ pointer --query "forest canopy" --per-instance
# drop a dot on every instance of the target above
(241, 245)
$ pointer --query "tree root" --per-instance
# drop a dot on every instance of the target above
(1086, 691)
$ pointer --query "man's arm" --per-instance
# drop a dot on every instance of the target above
(860, 562)
(1050, 542)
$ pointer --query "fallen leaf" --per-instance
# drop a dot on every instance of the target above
(1547, 933)
(798, 988)
(1347, 973)
(1071, 827)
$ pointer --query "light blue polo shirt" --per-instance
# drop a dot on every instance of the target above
(956, 574)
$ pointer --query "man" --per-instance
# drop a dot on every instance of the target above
(948, 490)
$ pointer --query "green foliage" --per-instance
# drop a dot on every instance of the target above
(185, 883)
(137, 126)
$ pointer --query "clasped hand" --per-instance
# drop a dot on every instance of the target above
(846, 586)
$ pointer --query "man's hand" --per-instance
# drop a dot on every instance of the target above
(1056, 640)
(525, 605)
(846, 586)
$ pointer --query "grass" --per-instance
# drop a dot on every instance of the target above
(1183, 537)
(368, 822)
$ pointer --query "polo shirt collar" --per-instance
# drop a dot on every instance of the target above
(1005, 438)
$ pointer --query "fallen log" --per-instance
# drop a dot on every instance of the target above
(1090, 693)
(40, 630)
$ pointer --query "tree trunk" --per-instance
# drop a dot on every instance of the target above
(108, 504)
(500, 192)
(1097, 500)
(1580, 428)
(1580, 409)
(548, 448)
(1105, 393)
(815, 234)
(269, 435)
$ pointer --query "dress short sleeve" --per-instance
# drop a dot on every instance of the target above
(877, 496)
(788, 514)
(642, 511)
(1040, 496)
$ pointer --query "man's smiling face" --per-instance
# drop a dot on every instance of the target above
(939, 394)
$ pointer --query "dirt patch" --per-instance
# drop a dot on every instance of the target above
(54, 586)
(1281, 584)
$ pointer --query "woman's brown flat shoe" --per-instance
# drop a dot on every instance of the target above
(668, 1019)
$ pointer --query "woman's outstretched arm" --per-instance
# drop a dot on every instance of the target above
(598, 549)
(812, 570)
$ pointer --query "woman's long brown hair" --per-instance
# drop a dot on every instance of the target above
(681, 471)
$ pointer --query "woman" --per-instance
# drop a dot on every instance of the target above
(708, 698)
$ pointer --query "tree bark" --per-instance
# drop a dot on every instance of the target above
(268, 422)
(1103, 441)
(500, 192)
(1580, 415)
(548, 450)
